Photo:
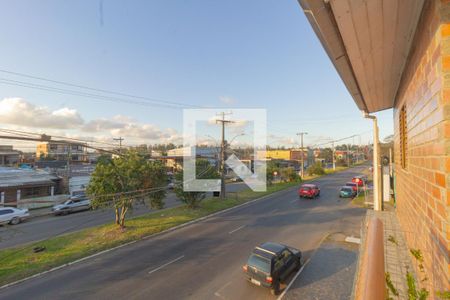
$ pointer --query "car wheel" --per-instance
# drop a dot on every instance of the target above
(14, 221)
(276, 288)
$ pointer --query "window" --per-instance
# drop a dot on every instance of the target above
(403, 138)
(6, 211)
(259, 263)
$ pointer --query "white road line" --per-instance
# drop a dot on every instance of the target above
(293, 280)
(239, 228)
(274, 211)
(217, 294)
(166, 264)
(293, 201)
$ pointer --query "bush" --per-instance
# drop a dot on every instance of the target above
(316, 169)
(289, 175)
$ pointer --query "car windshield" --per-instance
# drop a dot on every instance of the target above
(346, 189)
(306, 188)
(260, 263)
(68, 202)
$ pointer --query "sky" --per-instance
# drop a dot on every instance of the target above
(199, 53)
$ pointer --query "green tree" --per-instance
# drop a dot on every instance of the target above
(271, 168)
(120, 181)
(204, 170)
(289, 174)
(316, 169)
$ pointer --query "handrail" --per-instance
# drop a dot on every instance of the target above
(371, 280)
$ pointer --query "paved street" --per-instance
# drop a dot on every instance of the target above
(203, 260)
(49, 226)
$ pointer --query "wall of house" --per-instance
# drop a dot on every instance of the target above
(422, 187)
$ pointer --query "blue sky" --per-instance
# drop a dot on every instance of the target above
(231, 54)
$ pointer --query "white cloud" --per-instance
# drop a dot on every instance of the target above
(227, 100)
(17, 111)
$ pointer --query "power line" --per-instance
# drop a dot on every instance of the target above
(82, 94)
(154, 100)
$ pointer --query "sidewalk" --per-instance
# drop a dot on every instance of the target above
(330, 272)
(396, 253)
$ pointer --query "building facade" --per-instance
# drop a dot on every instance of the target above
(8, 156)
(62, 151)
(23, 184)
(422, 143)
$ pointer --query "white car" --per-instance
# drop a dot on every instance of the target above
(13, 216)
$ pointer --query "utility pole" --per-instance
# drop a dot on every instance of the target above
(333, 154)
(348, 155)
(120, 139)
(301, 134)
(222, 153)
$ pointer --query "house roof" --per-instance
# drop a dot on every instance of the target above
(14, 177)
(368, 42)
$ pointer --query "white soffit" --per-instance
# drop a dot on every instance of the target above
(375, 38)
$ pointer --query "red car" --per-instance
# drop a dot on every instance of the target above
(358, 180)
(309, 191)
(353, 185)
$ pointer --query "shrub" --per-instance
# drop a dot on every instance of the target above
(316, 169)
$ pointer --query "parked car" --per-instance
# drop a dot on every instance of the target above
(353, 185)
(13, 216)
(271, 263)
(76, 203)
(360, 180)
(347, 192)
(309, 191)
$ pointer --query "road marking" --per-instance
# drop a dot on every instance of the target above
(239, 228)
(274, 211)
(166, 264)
(217, 294)
(293, 280)
(293, 201)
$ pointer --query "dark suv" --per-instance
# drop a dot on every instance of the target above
(272, 263)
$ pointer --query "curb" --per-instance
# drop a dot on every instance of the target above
(143, 238)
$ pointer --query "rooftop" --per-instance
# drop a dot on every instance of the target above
(11, 177)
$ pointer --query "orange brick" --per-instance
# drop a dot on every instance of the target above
(440, 209)
(446, 63)
(439, 179)
(445, 30)
(447, 130)
(436, 192)
(446, 97)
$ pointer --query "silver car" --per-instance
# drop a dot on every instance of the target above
(13, 216)
(72, 205)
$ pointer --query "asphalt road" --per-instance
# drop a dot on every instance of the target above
(45, 227)
(203, 260)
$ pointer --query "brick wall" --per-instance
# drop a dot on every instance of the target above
(422, 188)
